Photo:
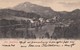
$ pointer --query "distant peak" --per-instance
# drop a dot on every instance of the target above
(27, 3)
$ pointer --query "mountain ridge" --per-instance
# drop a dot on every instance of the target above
(41, 10)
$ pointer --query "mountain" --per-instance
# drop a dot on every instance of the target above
(29, 10)
(41, 10)
(8, 13)
(76, 12)
(73, 15)
(47, 12)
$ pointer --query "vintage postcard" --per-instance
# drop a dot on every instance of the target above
(39, 24)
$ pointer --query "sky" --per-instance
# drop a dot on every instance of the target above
(57, 5)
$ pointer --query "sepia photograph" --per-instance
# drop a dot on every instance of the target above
(40, 19)
(39, 24)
